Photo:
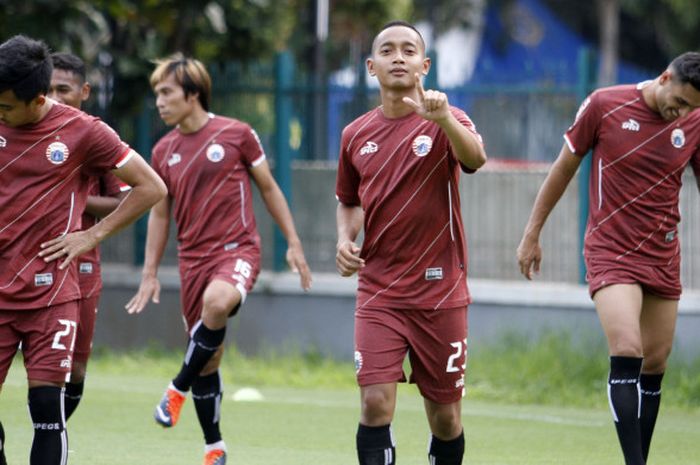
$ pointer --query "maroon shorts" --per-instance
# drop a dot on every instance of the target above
(662, 281)
(436, 343)
(86, 328)
(47, 336)
(239, 267)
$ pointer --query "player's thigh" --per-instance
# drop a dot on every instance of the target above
(658, 325)
(86, 329)
(9, 341)
(381, 345)
(438, 353)
(619, 307)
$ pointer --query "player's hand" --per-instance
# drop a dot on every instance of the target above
(347, 258)
(67, 247)
(297, 263)
(149, 289)
(529, 256)
(431, 105)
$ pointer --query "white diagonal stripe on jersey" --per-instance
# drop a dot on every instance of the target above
(627, 204)
(36, 143)
(19, 273)
(213, 247)
(58, 289)
(26, 210)
(214, 191)
(201, 149)
(637, 147)
(641, 243)
(94, 288)
(427, 249)
(619, 107)
(70, 213)
(369, 120)
(459, 279)
(398, 146)
(391, 221)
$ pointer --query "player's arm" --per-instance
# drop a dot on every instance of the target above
(100, 206)
(147, 189)
(433, 106)
(279, 210)
(156, 240)
(349, 219)
(558, 178)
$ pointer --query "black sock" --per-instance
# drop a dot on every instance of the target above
(73, 394)
(446, 452)
(623, 394)
(206, 393)
(50, 445)
(203, 344)
(3, 461)
(650, 385)
(375, 445)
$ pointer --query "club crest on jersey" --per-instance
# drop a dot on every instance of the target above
(369, 147)
(174, 159)
(215, 153)
(57, 152)
(3, 142)
(422, 145)
(678, 138)
(358, 361)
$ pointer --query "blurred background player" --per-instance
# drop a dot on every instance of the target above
(207, 162)
(398, 179)
(69, 86)
(643, 136)
(49, 151)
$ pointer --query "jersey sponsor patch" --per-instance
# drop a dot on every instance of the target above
(433, 274)
(43, 279)
(369, 148)
(422, 145)
(215, 153)
(230, 246)
(670, 236)
(678, 138)
(3, 142)
(174, 159)
(57, 152)
(85, 268)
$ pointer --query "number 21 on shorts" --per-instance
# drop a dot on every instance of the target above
(460, 349)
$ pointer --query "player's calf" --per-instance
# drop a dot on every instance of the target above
(50, 445)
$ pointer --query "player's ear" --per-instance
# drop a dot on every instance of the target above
(665, 76)
(85, 91)
(370, 67)
(426, 66)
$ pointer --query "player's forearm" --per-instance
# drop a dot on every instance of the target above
(277, 205)
(100, 207)
(349, 221)
(465, 144)
(156, 241)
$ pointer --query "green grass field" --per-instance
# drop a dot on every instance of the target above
(309, 416)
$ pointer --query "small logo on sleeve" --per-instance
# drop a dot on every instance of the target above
(57, 153)
(433, 274)
(678, 138)
(422, 145)
(85, 268)
(43, 279)
(369, 148)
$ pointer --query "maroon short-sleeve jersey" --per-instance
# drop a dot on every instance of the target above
(44, 169)
(403, 174)
(206, 173)
(638, 161)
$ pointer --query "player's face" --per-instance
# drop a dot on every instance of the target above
(15, 112)
(398, 54)
(68, 88)
(675, 99)
(173, 106)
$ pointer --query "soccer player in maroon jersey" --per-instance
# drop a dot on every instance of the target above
(47, 151)
(207, 162)
(398, 178)
(70, 87)
(642, 136)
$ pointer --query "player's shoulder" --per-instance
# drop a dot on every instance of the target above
(618, 94)
(360, 122)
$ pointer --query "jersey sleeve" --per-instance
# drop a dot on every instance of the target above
(106, 150)
(583, 133)
(347, 181)
(112, 186)
(465, 121)
(252, 150)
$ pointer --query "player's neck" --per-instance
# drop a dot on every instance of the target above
(43, 110)
(194, 121)
(649, 95)
(393, 106)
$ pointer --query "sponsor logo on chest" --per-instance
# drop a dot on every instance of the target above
(630, 125)
(174, 159)
(369, 148)
(433, 274)
(3, 142)
(85, 268)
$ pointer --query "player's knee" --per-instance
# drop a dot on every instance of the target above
(218, 305)
(376, 407)
(626, 348)
(446, 424)
(655, 360)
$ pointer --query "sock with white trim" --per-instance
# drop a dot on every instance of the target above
(206, 393)
(624, 397)
(72, 396)
(375, 445)
(650, 385)
(201, 348)
(50, 445)
(446, 452)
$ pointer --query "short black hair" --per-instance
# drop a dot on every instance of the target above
(686, 69)
(398, 22)
(25, 67)
(69, 62)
